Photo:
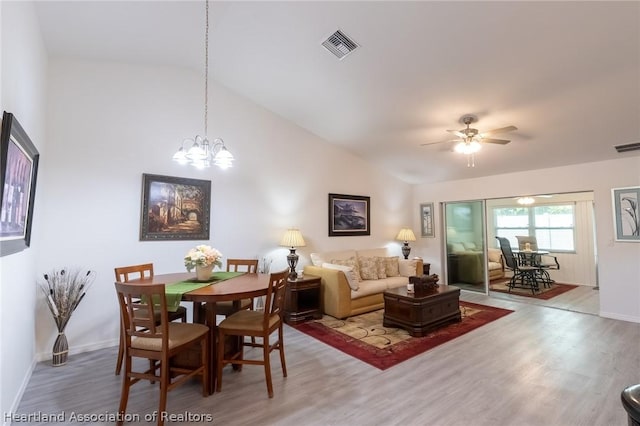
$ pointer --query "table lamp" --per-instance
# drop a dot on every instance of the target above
(292, 239)
(406, 235)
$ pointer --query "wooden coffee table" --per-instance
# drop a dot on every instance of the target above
(421, 312)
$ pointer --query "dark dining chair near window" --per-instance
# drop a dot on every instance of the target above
(126, 273)
(157, 341)
(256, 324)
(524, 276)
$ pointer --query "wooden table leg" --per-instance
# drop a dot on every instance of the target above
(210, 321)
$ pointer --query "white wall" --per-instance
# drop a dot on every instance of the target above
(23, 93)
(619, 269)
(110, 123)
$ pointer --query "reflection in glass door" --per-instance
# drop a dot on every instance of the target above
(465, 245)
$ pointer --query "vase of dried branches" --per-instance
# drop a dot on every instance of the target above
(64, 289)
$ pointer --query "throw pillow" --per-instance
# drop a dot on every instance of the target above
(349, 262)
(408, 267)
(392, 267)
(368, 268)
(348, 272)
(470, 246)
(456, 247)
(381, 267)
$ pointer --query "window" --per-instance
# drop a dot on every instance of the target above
(552, 225)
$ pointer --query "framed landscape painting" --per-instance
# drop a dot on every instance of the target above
(626, 213)
(19, 167)
(349, 215)
(174, 208)
(426, 220)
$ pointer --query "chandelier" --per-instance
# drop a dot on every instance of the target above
(199, 152)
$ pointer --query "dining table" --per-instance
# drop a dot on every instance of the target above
(205, 297)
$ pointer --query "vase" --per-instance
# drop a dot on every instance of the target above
(60, 350)
(203, 273)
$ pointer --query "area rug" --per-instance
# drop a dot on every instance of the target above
(363, 336)
(556, 289)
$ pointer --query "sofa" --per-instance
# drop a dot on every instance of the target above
(352, 281)
(465, 263)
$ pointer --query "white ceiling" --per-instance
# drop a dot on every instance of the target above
(567, 74)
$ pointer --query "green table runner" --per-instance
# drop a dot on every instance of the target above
(174, 291)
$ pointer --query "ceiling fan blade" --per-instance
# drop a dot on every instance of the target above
(435, 143)
(498, 141)
(500, 130)
(458, 133)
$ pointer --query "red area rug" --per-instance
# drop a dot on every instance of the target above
(556, 289)
(364, 337)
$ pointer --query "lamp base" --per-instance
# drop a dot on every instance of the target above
(406, 250)
(292, 260)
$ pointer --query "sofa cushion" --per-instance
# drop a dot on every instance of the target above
(352, 278)
(407, 267)
(381, 267)
(470, 246)
(368, 268)
(395, 282)
(352, 262)
(453, 247)
(368, 287)
(392, 266)
(494, 255)
(317, 259)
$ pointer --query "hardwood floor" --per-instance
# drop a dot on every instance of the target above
(583, 299)
(536, 366)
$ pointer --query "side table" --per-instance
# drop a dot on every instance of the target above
(302, 300)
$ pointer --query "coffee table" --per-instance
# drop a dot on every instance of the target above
(423, 311)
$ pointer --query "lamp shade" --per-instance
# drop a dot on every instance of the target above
(406, 234)
(292, 238)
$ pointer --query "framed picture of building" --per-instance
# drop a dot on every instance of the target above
(349, 215)
(626, 213)
(426, 220)
(174, 208)
(19, 167)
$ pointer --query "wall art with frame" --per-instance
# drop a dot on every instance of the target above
(426, 220)
(19, 170)
(349, 215)
(626, 213)
(174, 208)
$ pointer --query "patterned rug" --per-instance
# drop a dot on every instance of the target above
(556, 289)
(364, 337)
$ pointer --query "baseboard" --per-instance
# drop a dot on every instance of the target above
(44, 356)
(23, 387)
(619, 317)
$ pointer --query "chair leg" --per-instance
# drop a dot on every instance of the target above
(164, 388)
(204, 345)
(267, 365)
(120, 351)
(281, 350)
(124, 393)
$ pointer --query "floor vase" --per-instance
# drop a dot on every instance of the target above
(203, 273)
(60, 350)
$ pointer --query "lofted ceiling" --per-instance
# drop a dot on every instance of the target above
(566, 74)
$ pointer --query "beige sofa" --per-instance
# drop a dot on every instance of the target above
(352, 281)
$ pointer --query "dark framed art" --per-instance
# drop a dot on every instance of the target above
(349, 215)
(19, 169)
(426, 220)
(174, 208)
(626, 213)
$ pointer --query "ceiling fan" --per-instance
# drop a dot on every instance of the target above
(470, 140)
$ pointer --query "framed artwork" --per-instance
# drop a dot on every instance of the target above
(426, 219)
(349, 215)
(174, 208)
(19, 168)
(626, 213)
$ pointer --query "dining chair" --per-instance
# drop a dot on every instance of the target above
(159, 342)
(256, 324)
(126, 273)
(526, 274)
(249, 266)
(546, 261)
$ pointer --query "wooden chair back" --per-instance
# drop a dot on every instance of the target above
(126, 273)
(274, 301)
(242, 265)
(143, 311)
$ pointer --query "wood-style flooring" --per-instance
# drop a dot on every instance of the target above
(536, 366)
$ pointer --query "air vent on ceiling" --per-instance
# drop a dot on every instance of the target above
(628, 147)
(339, 44)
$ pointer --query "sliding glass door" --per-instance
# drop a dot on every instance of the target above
(465, 246)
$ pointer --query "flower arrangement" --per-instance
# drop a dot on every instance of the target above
(63, 290)
(202, 256)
